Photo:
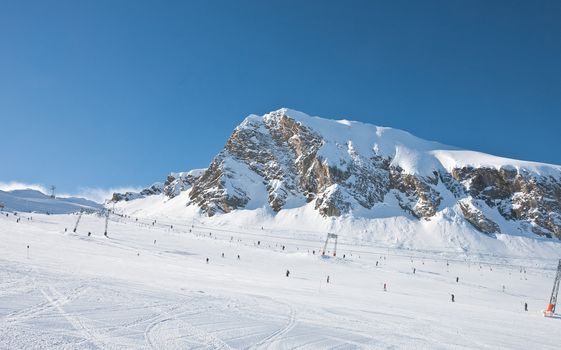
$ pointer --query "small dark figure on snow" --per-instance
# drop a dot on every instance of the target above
(376, 263)
(287, 273)
(222, 254)
(65, 229)
(238, 256)
(525, 306)
(207, 260)
(414, 269)
(453, 298)
(327, 279)
(154, 241)
(385, 288)
(89, 234)
(457, 279)
(258, 242)
(313, 252)
(105, 234)
(282, 247)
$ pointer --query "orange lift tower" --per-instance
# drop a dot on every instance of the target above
(553, 300)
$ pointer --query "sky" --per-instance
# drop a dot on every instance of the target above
(104, 95)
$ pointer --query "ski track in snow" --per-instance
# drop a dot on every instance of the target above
(127, 292)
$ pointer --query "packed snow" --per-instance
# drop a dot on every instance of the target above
(148, 285)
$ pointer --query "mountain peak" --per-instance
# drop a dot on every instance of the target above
(287, 159)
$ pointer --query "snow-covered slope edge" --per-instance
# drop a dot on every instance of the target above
(374, 182)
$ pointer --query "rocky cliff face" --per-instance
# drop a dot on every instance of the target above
(286, 159)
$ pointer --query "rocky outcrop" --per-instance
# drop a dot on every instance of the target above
(154, 189)
(517, 195)
(478, 219)
(178, 182)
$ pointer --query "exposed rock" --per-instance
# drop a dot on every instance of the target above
(154, 189)
(178, 182)
(478, 220)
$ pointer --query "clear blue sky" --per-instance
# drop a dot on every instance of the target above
(110, 93)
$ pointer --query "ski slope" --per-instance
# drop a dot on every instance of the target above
(148, 286)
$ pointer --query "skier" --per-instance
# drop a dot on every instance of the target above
(525, 306)
(222, 254)
(207, 260)
(414, 269)
(154, 241)
(287, 273)
(282, 247)
(89, 234)
(376, 263)
(457, 279)
(385, 289)
(327, 279)
(238, 256)
(453, 299)
(65, 229)
(258, 242)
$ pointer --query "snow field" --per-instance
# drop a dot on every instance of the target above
(127, 292)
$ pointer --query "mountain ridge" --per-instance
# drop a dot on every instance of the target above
(287, 159)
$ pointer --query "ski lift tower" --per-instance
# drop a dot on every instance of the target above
(333, 236)
(53, 188)
(78, 221)
(553, 300)
(107, 212)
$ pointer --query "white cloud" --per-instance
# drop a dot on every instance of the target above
(15, 185)
(95, 194)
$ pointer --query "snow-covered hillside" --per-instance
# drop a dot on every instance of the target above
(288, 170)
(150, 286)
(35, 201)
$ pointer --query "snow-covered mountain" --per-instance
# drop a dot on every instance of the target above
(331, 173)
(35, 201)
